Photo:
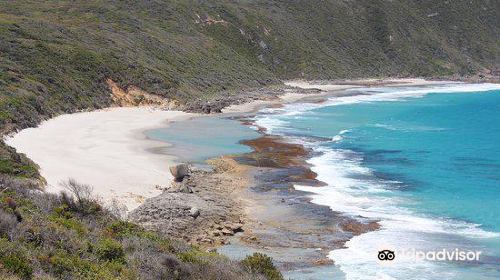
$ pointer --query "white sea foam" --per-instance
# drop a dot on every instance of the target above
(399, 93)
(337, 138)
(407, 127)
(271, 124)
(344, 131)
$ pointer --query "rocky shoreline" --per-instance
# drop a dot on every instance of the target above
(285, 218)
(248, 200)
(202, 209)
(217, 104)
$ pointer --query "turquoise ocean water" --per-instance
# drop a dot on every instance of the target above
(424, 161)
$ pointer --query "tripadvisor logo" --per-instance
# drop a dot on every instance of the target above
(387, 255)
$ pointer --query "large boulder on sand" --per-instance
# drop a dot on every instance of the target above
(179, 171)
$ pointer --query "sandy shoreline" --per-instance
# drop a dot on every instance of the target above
(348, 84)
(105, 149)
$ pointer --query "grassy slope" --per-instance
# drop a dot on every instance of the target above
(325, 39)
(55, 55)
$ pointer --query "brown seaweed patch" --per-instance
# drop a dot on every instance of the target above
(357, 227)
(271, 152)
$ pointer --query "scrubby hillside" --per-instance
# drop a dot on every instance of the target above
(70, 236)
(56, 55)
(359, 38)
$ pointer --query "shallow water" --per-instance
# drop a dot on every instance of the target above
(201, 138)
(426, 165)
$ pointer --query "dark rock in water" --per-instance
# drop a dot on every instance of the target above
(179, 171)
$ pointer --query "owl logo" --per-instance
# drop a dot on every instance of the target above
(386, 255)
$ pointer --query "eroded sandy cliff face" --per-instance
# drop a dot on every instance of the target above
(134, 96)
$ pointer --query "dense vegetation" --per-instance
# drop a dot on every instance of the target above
(70, 236)
(55, 55)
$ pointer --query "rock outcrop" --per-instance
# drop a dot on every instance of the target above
(215, 105)
(202, 208)
(180, 171)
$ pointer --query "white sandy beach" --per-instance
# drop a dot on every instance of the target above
(312, 85)
(105, 149)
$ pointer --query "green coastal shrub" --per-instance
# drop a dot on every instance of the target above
(109, 250)
(53, 241)
(260, 263)
(14, 164)
(71, 224)
(123, 228)
(65, 266)
(58, 263)
(14, 259)
(63, 211)
(17, 264)
(194, 255)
